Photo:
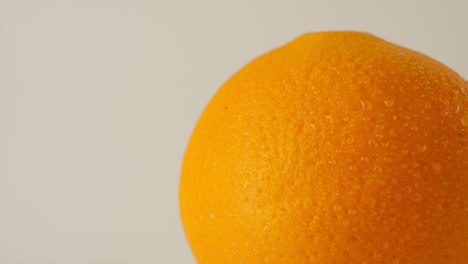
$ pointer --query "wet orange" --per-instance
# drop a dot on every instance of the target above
(338, 147)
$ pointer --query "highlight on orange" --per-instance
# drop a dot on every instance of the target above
(338, 147)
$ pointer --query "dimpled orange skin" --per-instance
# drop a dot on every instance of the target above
(338, 147)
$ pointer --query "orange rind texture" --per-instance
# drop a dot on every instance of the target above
(338, 147)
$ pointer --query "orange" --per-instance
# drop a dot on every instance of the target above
(338, 147)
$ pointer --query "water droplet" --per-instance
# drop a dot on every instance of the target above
(352, 168)
(379, 136)
(459, 151)
(389, 103)
(246, 134)
(422, 148)
(314, 127)
(332, 162)
(329, 118)
(350, 140)
(464, 120)
(366, 105)
(365, 159)
(212, 215)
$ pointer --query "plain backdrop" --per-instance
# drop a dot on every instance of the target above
(98, 99)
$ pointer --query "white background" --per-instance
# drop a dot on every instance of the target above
(98, 99)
